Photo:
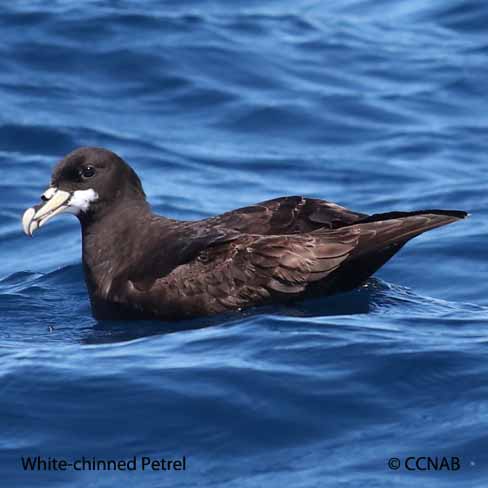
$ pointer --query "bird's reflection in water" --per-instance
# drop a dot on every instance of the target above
(359, 301)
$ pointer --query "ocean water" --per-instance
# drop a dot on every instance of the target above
(378, 105)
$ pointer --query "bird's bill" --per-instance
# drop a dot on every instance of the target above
(55, 201)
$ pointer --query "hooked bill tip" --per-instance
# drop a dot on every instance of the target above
(27, 220)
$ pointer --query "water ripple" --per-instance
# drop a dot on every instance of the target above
(376, 105)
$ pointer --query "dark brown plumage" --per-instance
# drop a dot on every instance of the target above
(140, 265)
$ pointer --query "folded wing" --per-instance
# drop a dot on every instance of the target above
(255, 269)
(287, 215)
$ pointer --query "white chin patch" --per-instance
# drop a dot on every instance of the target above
(81, 199)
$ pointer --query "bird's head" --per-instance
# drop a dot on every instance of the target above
(86, 183)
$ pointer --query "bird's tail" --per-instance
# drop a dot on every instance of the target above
(380, 231)
(383, 235)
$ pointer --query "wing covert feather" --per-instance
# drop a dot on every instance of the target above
(287, 215)
(251, 269)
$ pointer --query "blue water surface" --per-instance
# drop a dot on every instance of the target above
(378, 105)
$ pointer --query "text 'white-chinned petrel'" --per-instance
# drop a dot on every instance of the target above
(141, 265)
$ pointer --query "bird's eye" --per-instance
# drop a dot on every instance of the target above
(87, 171)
